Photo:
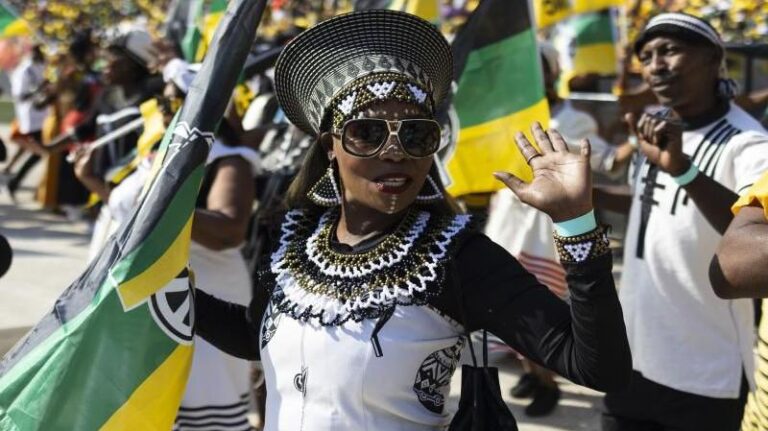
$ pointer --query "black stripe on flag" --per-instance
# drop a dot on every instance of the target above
(491, 22)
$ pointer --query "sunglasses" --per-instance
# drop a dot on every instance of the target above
(366, 137)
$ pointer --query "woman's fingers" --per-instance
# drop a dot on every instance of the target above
(558, 142)
(541, 137)
(529, 151)
(514, 183)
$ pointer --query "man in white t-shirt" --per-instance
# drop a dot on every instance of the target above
(26, 79)
(691, 351)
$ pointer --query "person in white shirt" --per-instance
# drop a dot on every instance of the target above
(692, 351)
(26, 79)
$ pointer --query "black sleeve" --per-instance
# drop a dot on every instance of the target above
(586, 342)
(232, 328)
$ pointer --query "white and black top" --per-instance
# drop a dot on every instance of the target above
(367, 337)
(681, 334)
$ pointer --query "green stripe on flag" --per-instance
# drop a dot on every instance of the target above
(6, 18)
(500, 92)
(100, 365)
(593, 28)
(164, 233)
(499, 80)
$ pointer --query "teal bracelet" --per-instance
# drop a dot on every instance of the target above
(687, 177)
(577, 226)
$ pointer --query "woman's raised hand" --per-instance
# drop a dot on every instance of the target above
(562, 181)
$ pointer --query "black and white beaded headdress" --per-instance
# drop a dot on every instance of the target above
(334, 70)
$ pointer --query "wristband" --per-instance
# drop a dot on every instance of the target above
(577, 226)
(688, 176)
(582, 248)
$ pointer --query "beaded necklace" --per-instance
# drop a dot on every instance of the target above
(312, 281)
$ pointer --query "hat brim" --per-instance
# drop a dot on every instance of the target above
(322, 61)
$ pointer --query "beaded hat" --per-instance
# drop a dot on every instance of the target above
(337, 68)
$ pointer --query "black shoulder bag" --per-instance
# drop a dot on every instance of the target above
(481, 407)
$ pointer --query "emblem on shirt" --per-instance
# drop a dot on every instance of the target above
(271, 320)
(434, 376)
(300, 381)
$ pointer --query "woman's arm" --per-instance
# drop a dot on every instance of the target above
(224, 223)
(232, 328)
(586, 342)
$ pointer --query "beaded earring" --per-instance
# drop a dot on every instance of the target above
(325, 192)
(429, 192)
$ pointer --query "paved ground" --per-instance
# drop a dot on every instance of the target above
(50, 252)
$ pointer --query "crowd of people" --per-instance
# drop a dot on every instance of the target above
(326, 249)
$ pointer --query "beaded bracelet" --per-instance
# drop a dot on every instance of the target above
(577, 249)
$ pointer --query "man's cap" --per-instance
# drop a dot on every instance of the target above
(680, 26)
(136, 44)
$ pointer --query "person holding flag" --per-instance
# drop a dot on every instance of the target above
(362, 306)
(120, 339)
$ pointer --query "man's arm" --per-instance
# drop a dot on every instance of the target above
(739, 268)
(661, 141)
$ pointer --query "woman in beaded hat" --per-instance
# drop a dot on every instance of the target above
(361, 308)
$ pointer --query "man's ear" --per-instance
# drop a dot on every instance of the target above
(326, 141)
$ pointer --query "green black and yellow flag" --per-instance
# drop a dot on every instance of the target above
(500, 92)
(594, 44)
(115, 352)
(10, 23)
(204, 18)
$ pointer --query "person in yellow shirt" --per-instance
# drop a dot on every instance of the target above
(739, 269)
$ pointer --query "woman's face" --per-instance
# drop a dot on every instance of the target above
(389, 181)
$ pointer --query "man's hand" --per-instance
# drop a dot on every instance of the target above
(661, 141)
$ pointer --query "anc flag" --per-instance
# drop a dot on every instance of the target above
(589, 41)
(583, 6)
(191, 40)
(10, 24)
(200, 28)
(550, 12)
(427, 9)
(500, 92)
(594, 44)
(114, 353)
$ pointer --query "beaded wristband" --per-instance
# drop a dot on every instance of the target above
(580, 248)
(687, 177)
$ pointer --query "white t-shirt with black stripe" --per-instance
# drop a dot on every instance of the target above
(681, 334)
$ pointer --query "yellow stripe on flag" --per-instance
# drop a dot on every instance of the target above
(17, 28)
(490, 147)
(136, 290)
(548, 12)
(598, 58)
(427, 9)
(154, 404)
(210, 22)
(582, 6)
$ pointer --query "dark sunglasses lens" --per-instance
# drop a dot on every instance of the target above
(420, 138)
(363, 137)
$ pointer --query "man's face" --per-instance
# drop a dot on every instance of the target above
(677, 72)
